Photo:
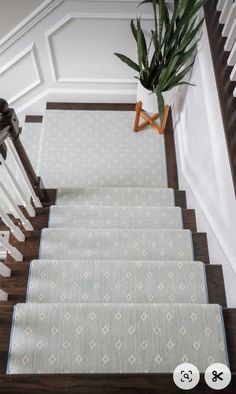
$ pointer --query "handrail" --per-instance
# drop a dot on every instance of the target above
(10, 141)
(223, 73)
(8, 119)
(5, 133)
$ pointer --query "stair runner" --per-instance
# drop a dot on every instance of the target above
(127, 298)
(116, 288)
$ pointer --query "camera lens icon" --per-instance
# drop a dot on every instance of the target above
(186, 376)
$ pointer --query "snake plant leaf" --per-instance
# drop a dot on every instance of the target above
(160, 100)
(168, 56)
(169, 70)
(184, 83)
(128, 61)
(134, 29)
(189, 38)
(187, 55)
(142, 46)
(161, 18)
(139, 46)
(177, 78)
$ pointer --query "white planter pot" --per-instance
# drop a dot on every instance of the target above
(149, 99)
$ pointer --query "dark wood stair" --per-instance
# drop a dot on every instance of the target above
(107, 383)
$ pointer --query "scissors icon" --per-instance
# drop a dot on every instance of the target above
(216, 376)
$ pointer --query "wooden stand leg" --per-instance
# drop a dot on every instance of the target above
(138, 109)
(150, 120)
(163, 125)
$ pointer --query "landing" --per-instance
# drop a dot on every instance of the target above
(99, 148)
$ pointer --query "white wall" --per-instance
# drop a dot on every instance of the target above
(65, 53)
(14, 12)
(203, 165)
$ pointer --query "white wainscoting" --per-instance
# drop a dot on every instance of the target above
(64, 51)
(203, 163)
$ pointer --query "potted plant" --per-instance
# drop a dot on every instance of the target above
(169, 56)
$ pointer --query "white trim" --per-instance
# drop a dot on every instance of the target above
(96, 80)
(44, 9)
(76, 15)
(3, 253)
(28, 50)
(91, 92)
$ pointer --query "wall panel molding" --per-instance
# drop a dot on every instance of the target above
(52, 75)
(81, 16)
(30, 50)
(43, 10)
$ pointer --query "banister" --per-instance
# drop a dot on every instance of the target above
(5, 133)
(14, 209)
(20, 192)
(9, 128)
(222, 71)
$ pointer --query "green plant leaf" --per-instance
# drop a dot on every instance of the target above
(177, 78)
(128, 61)
(163, 60)
(160, 100)
(134, 29)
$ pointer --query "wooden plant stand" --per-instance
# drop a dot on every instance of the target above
(150, 120)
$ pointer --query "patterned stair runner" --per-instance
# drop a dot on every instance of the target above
(116, 216)
(129, 196)
(116, 281)
(131, 244)
(116, 288)
(98, 338)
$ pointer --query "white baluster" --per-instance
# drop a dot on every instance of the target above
(14, 209)
(13, 252)
(229, 21)
(15, 155)
(19, 191)
(231, 37)
(15, 230)
(232, 57)
(233, 74)
(220, 5)
(3, 295)
(225, 10)
(4, 270)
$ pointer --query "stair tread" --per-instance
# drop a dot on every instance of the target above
(96, 338)
(116, 196)
(103, 151)
(115, 216)
(116, 281)
(116, 243)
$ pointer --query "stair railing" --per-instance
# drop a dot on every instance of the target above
(220, 16)
(26, 190)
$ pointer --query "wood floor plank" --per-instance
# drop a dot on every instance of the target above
(100, 384)
(91, 106)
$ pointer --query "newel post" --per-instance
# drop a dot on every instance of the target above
(9, 127)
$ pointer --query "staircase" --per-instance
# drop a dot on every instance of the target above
(119, 280)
